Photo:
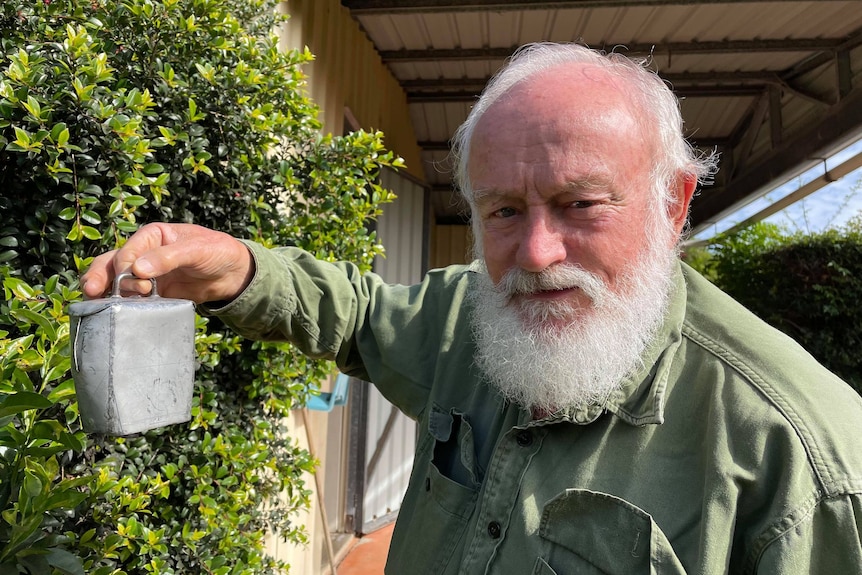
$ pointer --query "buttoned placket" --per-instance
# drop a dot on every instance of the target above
(498, 498)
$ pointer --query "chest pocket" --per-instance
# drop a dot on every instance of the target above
(440, 501)
(589, 533)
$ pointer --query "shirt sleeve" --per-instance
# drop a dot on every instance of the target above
(822, 540)
(386, 334)
(294, 297)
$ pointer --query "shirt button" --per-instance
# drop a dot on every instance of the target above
(494, 530)
(524, 438)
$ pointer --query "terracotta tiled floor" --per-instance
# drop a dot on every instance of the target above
(368, 555)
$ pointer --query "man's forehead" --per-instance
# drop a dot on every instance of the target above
(580, 93)
(574, 81)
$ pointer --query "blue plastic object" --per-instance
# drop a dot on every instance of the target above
(326, 401)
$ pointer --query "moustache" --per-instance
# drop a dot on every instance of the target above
(564, 276)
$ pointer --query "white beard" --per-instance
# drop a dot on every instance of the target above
(551, 357)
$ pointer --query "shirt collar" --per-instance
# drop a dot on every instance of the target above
(641, 400)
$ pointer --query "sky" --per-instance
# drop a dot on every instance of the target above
(829, 207)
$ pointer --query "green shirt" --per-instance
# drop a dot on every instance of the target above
(731, 451)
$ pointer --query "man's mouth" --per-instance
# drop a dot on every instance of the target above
(547, 294)
(553, 290)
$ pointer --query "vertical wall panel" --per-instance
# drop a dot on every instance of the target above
(400, 230)
(451, 244)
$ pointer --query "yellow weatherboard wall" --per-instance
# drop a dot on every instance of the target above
(348, 73)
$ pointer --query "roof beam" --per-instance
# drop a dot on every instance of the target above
(373, 7)
(443, 146)
(737, 91)
(818, 183)
(673, 48)
(677, 80)
(815, 61)
(822, 137)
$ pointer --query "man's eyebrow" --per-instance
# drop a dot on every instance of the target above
(485, 193)
(589, 183)
(597, 180)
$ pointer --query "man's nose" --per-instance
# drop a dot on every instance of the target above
(541, 245)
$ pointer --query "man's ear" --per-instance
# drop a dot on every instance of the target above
(682, 194)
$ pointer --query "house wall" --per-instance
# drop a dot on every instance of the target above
(347, 73)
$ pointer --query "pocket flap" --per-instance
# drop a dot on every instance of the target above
(608, 532)
(440, 424)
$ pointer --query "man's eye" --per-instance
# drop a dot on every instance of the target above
(505, 212)
(583, 204)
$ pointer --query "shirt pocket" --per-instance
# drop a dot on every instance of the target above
(436, 513)
(589, 533)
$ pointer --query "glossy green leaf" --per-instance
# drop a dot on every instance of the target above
(23, 401)
(65, 562)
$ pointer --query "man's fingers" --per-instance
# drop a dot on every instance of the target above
(97, 281)
(164, 259)
(148, 238)
(189, 262)
(99, 278)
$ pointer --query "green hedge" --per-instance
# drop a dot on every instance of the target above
(118, 112)
(807, 285)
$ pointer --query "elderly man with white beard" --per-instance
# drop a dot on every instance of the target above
(585, 402)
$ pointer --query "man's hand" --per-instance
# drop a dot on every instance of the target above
(189, 262)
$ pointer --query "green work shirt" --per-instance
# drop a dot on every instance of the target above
(730, 451)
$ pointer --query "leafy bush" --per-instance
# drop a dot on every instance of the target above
(118, 112)
(807, 285)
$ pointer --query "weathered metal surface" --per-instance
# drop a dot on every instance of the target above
(133, 362)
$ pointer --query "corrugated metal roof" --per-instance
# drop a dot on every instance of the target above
(774, 85)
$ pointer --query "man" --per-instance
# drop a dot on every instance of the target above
(586, 404)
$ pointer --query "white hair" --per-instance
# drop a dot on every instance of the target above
(675, 157)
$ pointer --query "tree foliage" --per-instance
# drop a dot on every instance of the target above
(807, 285)
(118, 112)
